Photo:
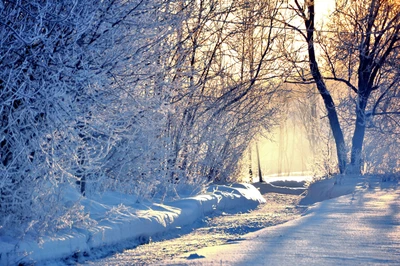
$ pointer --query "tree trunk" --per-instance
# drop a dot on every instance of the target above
(358, 136)
(337, 132)
(259, 164)
(250, 168)
(323, 91)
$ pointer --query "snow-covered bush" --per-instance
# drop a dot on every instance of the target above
(42, 83)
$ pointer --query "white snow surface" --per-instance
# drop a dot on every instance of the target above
(350, 221)
(357, 224)
(120, 217)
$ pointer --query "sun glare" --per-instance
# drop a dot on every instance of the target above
(323, 9)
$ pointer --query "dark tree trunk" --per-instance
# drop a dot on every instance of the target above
(80, 174)
(357, 144)
(337, 133)
(259, 164)
(250, 169)
(323, 91)
(359, 130)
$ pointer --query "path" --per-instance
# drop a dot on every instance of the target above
(358, 229)
(210, 232)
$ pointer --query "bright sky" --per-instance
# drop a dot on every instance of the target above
(323, 7)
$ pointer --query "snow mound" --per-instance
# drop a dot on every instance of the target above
(120, 217)
(340, 185)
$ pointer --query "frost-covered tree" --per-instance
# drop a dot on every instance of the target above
(66, 101)
(218, 101)
(42, 83)
(135, 96)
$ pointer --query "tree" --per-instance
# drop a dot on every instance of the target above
(220, 89)
(135, 96)
(70, 94)
(40, 81)
(356, 52)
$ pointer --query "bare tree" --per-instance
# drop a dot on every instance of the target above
(357, 52)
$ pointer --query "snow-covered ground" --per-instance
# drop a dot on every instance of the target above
(121, 218)
(360, 228)
(213, 230)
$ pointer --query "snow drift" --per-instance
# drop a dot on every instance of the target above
(120, 217)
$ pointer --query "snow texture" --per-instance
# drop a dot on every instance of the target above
(360, 228)
(120, 217)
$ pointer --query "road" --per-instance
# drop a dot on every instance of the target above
(362, 228)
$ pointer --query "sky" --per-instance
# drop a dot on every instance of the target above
(323, 7)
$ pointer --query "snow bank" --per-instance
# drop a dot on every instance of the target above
(119, 217)
(341, 185)
(332, 188)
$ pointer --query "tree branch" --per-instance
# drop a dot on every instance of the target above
(348, 83)
(386, 113)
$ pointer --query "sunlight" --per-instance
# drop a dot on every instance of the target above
(323, 9)
(287, 153)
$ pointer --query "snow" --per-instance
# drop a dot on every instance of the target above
(350, 220)
(360, 228)
(120, 217)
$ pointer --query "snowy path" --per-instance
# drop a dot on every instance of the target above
(212, 231)
(358, 229)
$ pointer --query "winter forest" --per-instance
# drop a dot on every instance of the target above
(154, 97)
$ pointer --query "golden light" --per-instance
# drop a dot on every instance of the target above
(288, 151)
